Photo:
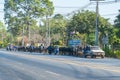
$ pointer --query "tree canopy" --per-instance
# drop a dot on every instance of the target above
(19, 13)
(84, 23)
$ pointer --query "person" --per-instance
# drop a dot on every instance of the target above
(14, 48)
(31, 48)
(11, 47)
(86, 50)
(56, 50)
(8, 48)
(41, 47)
(50, 49)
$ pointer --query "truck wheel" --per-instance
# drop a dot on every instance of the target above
(85, 56)
(93, 56)
(102, 56)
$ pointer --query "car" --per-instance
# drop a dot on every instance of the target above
(94, 51)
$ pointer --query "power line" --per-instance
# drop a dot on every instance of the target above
(81, 8)
(110, 14)
(73, 6)
(87, 6)
(109, 2)
(101, 3)
(67, 7)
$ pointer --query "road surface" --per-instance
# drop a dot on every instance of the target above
(35, 66)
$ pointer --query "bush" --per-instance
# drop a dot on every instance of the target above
(109, 52)
(117, 53)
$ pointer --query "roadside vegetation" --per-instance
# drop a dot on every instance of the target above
(33, 18)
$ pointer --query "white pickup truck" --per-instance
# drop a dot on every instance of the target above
(94, 52)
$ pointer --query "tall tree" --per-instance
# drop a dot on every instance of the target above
(117, 25)
(19, 13)
(3, 34)
(84, 23)
(2, 31)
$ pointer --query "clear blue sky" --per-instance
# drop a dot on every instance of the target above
(67, 6)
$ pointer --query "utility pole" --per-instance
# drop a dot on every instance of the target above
(28, 22)
(28, 33)
(96, 30)
(2, 34)
(47, 30)
(23, 37)
(97, 21)
(2, 37)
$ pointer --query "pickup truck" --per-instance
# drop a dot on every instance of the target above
(94, 51)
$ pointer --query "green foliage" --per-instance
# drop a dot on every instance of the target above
(117, 53)
(84, 23)
(117, 21)
(112, 52)
(59, 42)
(117, 25)
(108, 51)
(57, 27)
(24, 13)
(3, 34)
(58, 24)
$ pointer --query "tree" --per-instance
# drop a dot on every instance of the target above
(117, 25)
(84, 23)
(3, 34)
(58, 23)
(2, 31)
(57, 28)
(117, 20)
(19, 13)
(21, 16)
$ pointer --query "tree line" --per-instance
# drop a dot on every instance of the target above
(34, 20)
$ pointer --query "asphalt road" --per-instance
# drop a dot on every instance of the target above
(35, 66)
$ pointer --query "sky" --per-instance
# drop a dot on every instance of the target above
(68, 6)
(105, 10)
(1, 10)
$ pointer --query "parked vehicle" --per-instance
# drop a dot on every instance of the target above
(94, 51)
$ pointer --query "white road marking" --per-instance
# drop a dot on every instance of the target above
(53, 73)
